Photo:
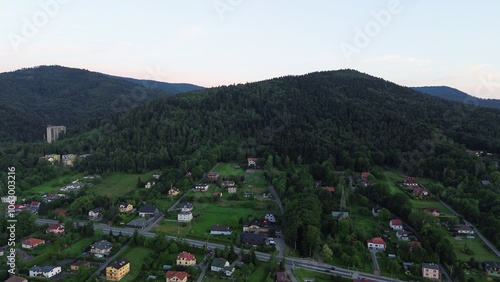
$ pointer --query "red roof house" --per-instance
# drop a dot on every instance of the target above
(176, 276)
(376, 244)
(252, 161)
(396, 224)
(61, 211)
(365, 175)
(56, 229)
(328, 188)
(31, 243)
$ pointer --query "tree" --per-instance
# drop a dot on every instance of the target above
(326, 252)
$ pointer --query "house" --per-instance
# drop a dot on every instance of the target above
(150, 183)
(228, 270)
(282, 276)
(330, 189)
(187, 206)
(202, 187)
(339, 215)
(227, 183)
(376, 244)
(365, 175)
(232, 190)
(32, 243)
(68, 160)
(79, 263)
(433, 211)
(213, 176)
(148, 211)
(270, 217)
(61, 212)
(101, 248)
(252, 161)
(188, 174)
(220, 230)
(117, 270)
(157, 175)
(20, 207)
(485, 182)
(410, 181)
(402, 235)
(419, 191)
(431, 271)
(248, 194)
(125, 208)
(56, 229)
(186, 259)
(95, 213)
(218, 264)
(256, 227)
(9, 199)
(396, 224)
(45, 271)
(492, 268)
(173, 191)
(463, 229)
(34, 207)
(176, 276)
(185, 216)
(254, 239)
(15, 278)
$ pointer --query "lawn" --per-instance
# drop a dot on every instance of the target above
(76, 249)
(118, 184)
(421, 204)
(481, 252)
(229, 170)
(136, 255)
(56, 183)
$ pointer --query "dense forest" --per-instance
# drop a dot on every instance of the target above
(453, 94)
(34, 97)
(305, 126)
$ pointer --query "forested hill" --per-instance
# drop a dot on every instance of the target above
(453, 94)
(172, 88)
(35, 97)
(348, 118)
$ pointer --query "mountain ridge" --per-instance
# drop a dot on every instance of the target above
(452, 94)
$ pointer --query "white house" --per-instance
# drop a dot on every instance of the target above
(101, 248)
(396, 224)
(185, 216)
(376, 244)
(463, 229)
(186, 207)
(220, 230)
(218, 264)
(270, 217)
(45, 271)
(95, 212)
(202, 187)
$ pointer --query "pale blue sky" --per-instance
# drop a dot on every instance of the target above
(219, 42)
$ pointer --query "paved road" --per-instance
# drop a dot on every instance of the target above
(376, 267)
(276, 198)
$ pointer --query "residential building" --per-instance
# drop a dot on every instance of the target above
(463, 229)
(34, 207)
(339, 215)
(118, 269)
(9, 199)
(365, 175)
(176, 276)
(254, 239)
(218, 264)
(186, 206)
(202, 187)
(228, 183)
(56, 229)
(419, 191)
(433, 211)
(410, 181)
(101, 248)
(79, 263)
(485, 182)
(186, 259)
(431, 271)
(402, 235)
(376, 244)
(53, 132)
(330, 189)
(68, 160)
(148, 211)
(220, 230)
(61, 212)
(157, 175)
(282, 276)
(15, 278)
(376, 210)
(173, 191)
(213, 176)
(270, 217)
(185, 216)
(232, 190)
(396, 224)
(256, 227)
(95, 213)
(45, 271)
(492, 268)
(32, 243)
(150, 183)
(125, 208)
(252, 161)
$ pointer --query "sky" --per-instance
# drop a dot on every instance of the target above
(221, 42)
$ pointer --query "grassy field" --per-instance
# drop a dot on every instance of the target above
(302, 274)
(481, 251)
(421, 204)
(119, 184)
(229, 170)
(136, 255)
(54, 184)
(76, 249)
(255, 182)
